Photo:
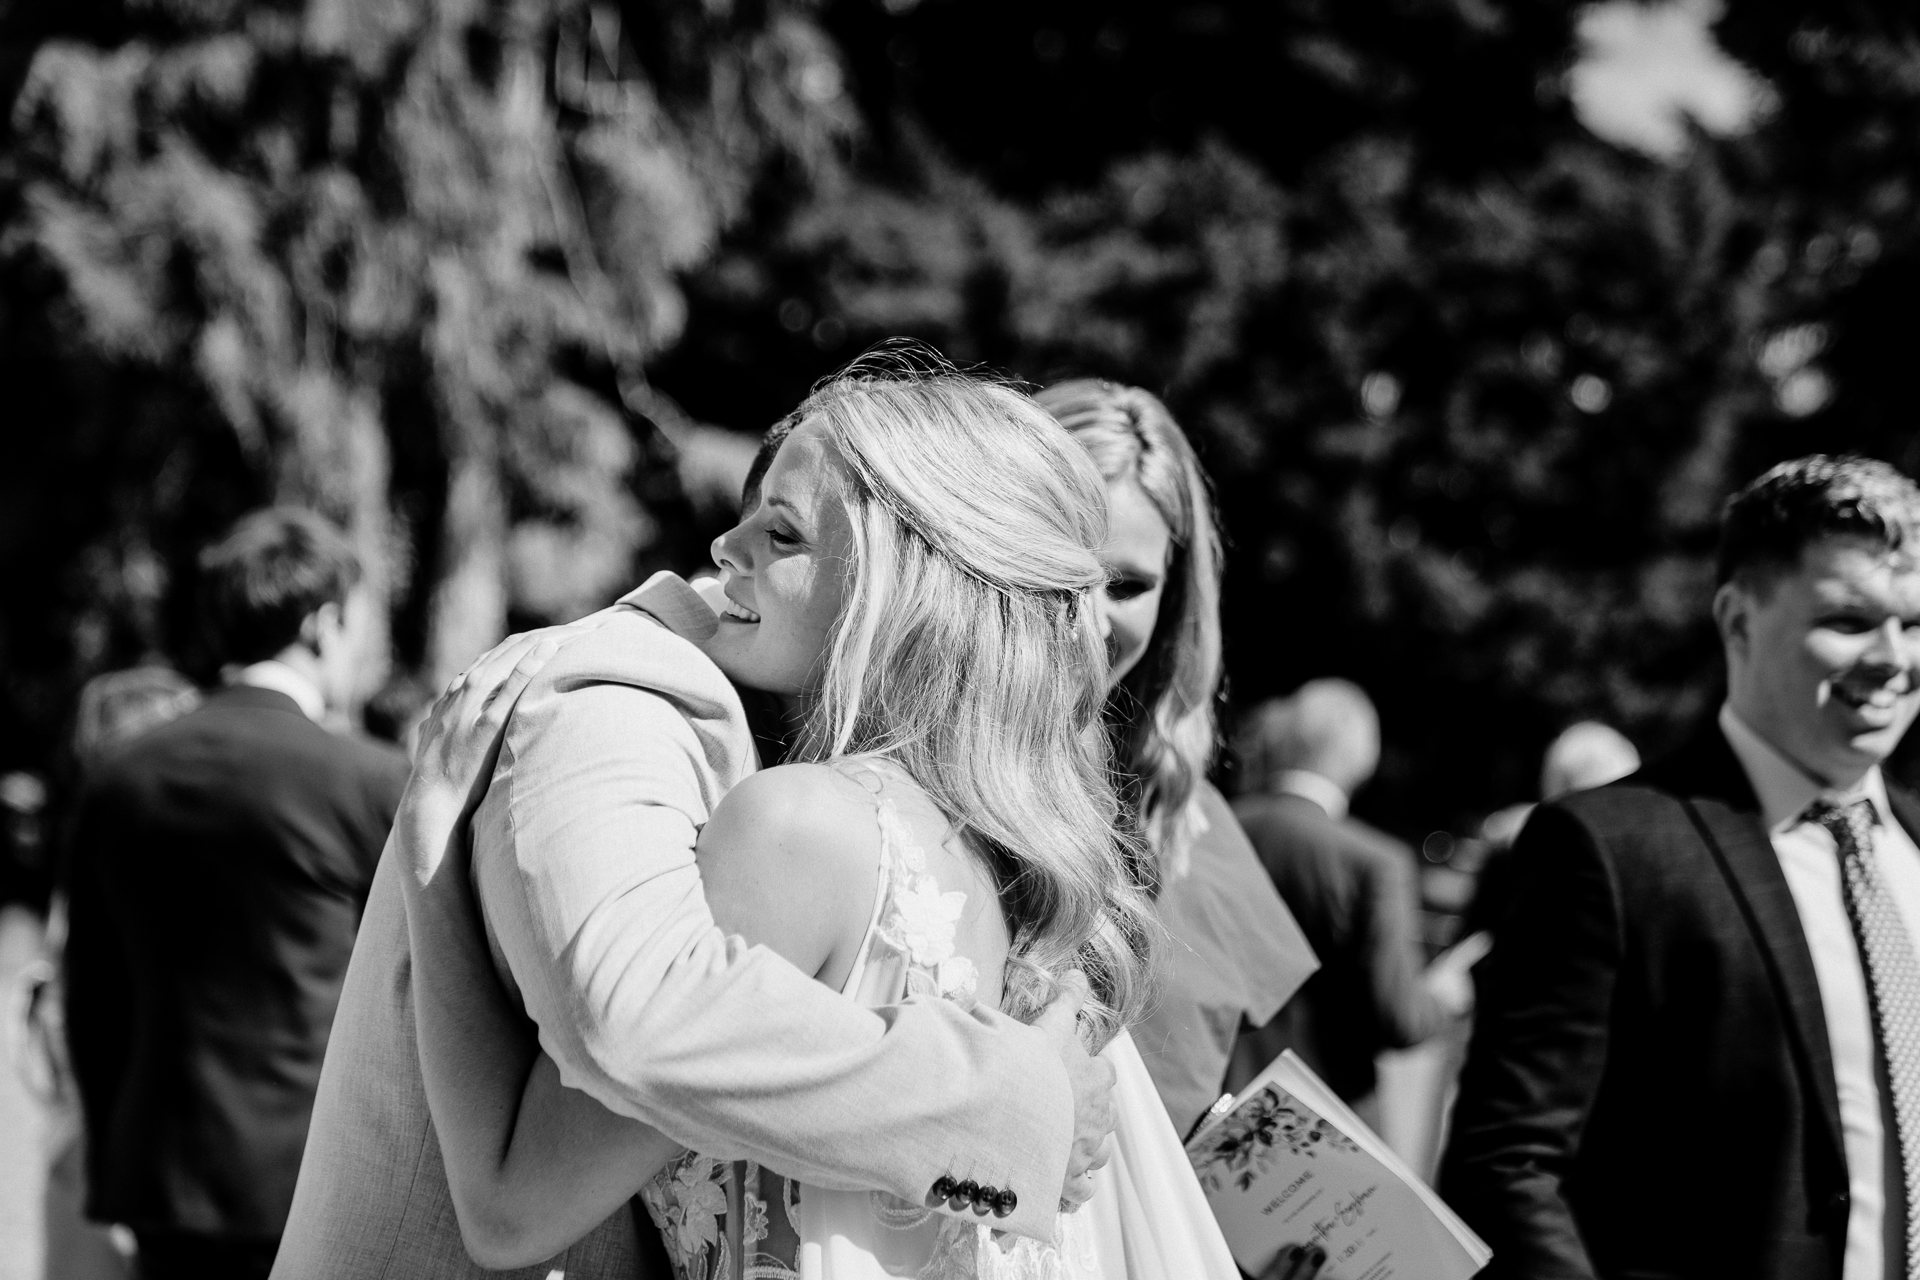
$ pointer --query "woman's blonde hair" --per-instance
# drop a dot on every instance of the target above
(1162, 713)
(968, 652)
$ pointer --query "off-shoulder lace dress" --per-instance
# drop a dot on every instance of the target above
(724, 1220)
(736, 1221)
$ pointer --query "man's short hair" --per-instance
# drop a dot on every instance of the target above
(267, 575)
(1326, 726)
(1769, 523)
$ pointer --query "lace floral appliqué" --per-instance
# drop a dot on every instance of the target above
(919, 920)
(688, 1203)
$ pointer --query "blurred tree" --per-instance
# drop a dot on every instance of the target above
(399, 260)
(1472, 383)
(1836, 158)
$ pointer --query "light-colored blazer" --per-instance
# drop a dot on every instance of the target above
(583, 857)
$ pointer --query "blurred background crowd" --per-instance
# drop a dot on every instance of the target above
(1476, 311)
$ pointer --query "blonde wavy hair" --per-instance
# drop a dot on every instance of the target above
(969, 653)
(1162, 713)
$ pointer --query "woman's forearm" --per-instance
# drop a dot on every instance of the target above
(532, 1166)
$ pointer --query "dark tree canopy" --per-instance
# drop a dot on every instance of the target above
(1472, 383)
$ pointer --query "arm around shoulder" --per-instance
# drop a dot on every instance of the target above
(791, 862)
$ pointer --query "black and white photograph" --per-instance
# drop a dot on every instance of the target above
(959, 640)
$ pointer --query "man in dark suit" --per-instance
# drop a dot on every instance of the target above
(218, 868)
(1698, 1044)
(1351, 887)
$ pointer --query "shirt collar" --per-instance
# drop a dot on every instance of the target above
(1783, 787)
(669, 600)
(278, 676)
(1319, 788)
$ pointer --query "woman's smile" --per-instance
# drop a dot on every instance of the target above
(790, 553)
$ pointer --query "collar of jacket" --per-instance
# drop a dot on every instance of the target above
(668, 599)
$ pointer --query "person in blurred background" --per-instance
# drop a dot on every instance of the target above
(1237, 953)
(217, 869)
(1584, 756)
(1695, 1054)
(120, 706)
(1351, 887)
(114, 709)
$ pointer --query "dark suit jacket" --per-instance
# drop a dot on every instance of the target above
(1352, 889)
(1650, 1090)
(218, 868)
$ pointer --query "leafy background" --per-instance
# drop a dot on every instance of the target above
(507, 286)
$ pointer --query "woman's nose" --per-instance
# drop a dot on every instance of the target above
(1102, 617)
(727, 552)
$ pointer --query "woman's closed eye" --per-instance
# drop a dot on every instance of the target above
(1128, 588)
(782, 538)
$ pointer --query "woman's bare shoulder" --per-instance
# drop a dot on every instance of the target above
(791, 858)
(809, 806)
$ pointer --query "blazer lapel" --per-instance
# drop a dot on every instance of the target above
(1906, 809)
(1722, 804)
(1746, 856)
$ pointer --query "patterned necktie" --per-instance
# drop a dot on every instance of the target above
(1893, 985)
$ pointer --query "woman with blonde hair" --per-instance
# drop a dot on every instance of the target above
(1237, 954)
(920, 572)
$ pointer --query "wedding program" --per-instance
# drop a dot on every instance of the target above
(1289, 1164)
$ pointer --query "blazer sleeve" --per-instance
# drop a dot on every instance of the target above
(584, 858)
(1538, 1052)
(1405, 1012)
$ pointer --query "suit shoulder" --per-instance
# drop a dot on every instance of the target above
(1633, 805)
(623, 645)
(1372, 841)
(134, 761)
(1640, 830)
(1283, 813)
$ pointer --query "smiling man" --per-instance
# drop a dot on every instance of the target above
(1698, 1044)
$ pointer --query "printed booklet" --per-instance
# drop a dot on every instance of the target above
(1288, 1163)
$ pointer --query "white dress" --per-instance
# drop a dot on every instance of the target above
(1147, 1220)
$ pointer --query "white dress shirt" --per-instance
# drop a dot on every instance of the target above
(1811, 861)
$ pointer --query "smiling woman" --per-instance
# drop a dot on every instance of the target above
(786, 563)
(1238, 952)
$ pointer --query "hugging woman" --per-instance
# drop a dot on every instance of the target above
(919, 574)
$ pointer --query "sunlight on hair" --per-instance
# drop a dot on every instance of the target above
(970, 654)
(1163, 710)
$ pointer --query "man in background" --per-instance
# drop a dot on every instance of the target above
(1698, 1045)
(1586, 755)
(1351, 887)
(218, 869)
